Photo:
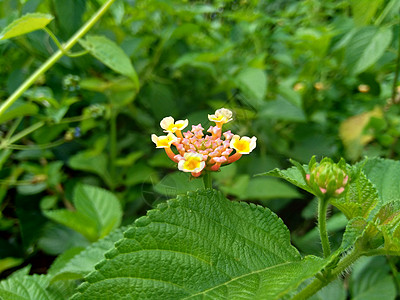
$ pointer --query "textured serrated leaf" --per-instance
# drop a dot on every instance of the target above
(200, 243)
(111, 55)
(26, 287)
(359, 200)
(26, 24)
(84, 262)
(293, 175)
(354, 230)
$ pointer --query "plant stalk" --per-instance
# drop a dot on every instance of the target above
(322, 208)
(396, 73)
(7, 142)
(207, 179)
(55, 57)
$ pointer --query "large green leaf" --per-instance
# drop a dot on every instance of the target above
(359, 200)
(202, 245)
(26, 24)
(366, 46)
(111, 55)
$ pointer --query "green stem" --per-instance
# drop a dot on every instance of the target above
(13, 128)
(61, 48)
(322, 208)
(396, 73)
(318, 284)
(35, 147)
(75, 119)
(207, 179)
(6, 143)
(55, 57)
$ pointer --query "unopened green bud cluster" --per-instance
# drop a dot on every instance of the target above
(327, 177)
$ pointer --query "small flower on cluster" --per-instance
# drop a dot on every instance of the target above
(196, 151)
(327, 178)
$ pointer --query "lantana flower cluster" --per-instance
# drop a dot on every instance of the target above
(197, 152)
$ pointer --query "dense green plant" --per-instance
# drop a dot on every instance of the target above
(305, 77)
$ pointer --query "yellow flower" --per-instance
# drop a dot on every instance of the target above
(243, 145)
(163, 141)
(169, 124)
(192, 162)
(221, 116)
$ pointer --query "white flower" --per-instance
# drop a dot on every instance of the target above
(163, 141)
(243, 145)
(169, 125)
(221, 116)
(192, 162)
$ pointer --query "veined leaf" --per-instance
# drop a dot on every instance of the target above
(26, 24)
(359, 200)
(100, 205)
(354, 230)
(201, 245)
(111, 55)
(366, 46)
(26, 287)
(293, 175)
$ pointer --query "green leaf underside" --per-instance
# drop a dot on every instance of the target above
(201, 244)
(111, 55)
(359, 200)
(293, 175)
(26, 24)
